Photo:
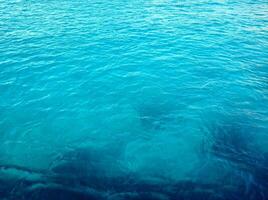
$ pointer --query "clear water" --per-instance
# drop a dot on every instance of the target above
(155, 99)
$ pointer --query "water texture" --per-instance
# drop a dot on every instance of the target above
(134, 100)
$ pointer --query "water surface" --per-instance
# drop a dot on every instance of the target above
(157, 99)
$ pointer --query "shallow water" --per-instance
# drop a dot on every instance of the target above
(156, 99)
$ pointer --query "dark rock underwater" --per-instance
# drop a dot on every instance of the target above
(84, 174)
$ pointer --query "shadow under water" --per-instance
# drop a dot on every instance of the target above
(83, 174)
(156, 116)
(234, 143)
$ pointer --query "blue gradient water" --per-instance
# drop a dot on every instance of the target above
(156, 99)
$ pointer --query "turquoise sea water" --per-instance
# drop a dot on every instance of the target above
(135, 100)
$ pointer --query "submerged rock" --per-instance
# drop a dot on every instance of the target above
(59, 192)
(232, 143)
(155, 116)
(96, 174)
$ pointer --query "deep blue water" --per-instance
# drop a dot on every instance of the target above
(134, 100)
